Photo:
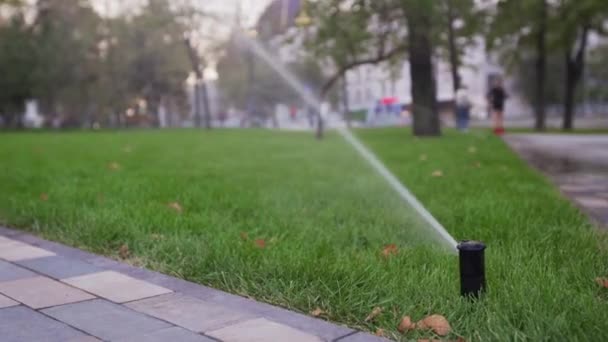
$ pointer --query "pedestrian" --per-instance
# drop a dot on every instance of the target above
(463, 109)
(496, 98)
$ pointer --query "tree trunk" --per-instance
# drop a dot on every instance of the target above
(454, 57)
(424, 103)
(541, 68)
(345, 104)
(206, 106)
(197, 105)
(574, 70)
(570, 91)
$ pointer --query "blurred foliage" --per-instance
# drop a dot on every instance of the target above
(86, 69)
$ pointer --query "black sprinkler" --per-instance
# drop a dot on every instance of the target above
(472, 268)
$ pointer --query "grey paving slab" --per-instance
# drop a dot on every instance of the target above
(106, 320)
(10, 272)
(188, 312)
(174, 334)
(21, 324)
(12, 250)
(116, 287)
(261, 330)
(6, 302)
(41, 292)
(59, 267)
(362, 337)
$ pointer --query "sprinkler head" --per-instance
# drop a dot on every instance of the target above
(472, 268)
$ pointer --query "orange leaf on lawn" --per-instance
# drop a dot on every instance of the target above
(379, 332)
(175, 206)
(603, 282)
(114, 166)
(124, 252)
(317, 312)
(261, 243)
(390, 249)
(437, 173)
(44, 197)
(406, 325)
(437, 323)
(372, 315)
(423, 157)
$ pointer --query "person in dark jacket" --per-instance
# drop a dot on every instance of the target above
(497, 98)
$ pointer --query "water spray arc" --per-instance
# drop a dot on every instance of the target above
(472, 265)
(369, 156)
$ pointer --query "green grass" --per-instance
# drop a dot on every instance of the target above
(325, 217)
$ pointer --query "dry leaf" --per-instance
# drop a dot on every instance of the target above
(423, 157)
(175, 206)
(427, 340)
(437, 323)
(603, 282)
(44, 197)
(261, 243)
(390, 249)
(124, 252)
(472, 149)
(157, 237)
(244, 236)
(114, 166)
(379, 332)
(377, 311)
(406, 325)
(128, 149)
(317, 312)
(437, 173)
(477, 164)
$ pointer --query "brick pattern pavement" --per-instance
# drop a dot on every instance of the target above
(50, 292)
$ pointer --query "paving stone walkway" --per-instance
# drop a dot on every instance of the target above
(50, 292)
(578, 164)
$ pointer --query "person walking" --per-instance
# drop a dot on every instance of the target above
(463, 109)
(496, 98)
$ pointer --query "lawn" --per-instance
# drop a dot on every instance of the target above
(291, 221)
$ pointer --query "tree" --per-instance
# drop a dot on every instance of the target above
(16, 63)
(354, 33)
(577, 19)
(463, 22)
(518, 29)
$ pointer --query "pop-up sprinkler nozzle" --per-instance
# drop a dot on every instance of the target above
(472, 268)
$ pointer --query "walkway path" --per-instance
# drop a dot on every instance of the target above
(50, 292)
(577, 163)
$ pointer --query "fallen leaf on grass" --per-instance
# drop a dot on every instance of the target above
(375, 313)
(114, 166)
(379, 332)
(423, 157)
(317, 312)
(157, 237)
(175, 206)
(406, 325)
(261, 243)
(244, 236)
(128, 149)
(472, 149)
(437, 323)
(427, 340)
(477, 164)
(603, 282)
(390, 249)
(437, 173)
(44, 197)
(124, 252)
